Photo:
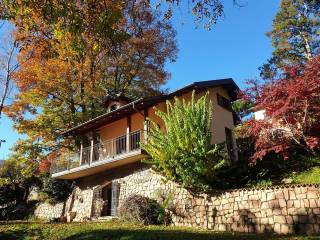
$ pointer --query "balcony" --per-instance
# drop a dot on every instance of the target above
(96, 158)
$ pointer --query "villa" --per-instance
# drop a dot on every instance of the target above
(108, 165)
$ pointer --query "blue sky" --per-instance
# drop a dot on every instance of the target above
(235, 47)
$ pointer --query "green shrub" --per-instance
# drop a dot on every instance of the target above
(21, 211)
(140, 209)
(56, 190)
(184, 153)
(7, 195)
(260, 183)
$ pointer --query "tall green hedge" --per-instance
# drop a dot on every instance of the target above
(183, 152)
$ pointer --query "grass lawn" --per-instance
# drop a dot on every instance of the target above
(311, 176)
(120, 231)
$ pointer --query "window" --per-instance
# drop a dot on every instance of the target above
(224, 102)
(113, 107)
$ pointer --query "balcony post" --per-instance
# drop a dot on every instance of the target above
(128, 134)
(81, 150)
(145, 125)
(91, 152)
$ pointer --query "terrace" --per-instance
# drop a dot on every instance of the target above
(98, 157)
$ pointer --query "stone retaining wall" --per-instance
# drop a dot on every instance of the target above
(48, 211)
(284, 210)
(79, 202)
(278, 209)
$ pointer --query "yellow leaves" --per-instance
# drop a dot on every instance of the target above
(95, 46)
(57, 33)
(75, 53)
(4, 181)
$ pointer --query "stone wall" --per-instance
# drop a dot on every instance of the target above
(278, 209)
(81, 199)
(48, 211)
(79, 202)
(285, 209)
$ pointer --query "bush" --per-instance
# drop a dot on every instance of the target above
(7, 195)
(184, 153)
(56, 190)
(18, 212)
(140, 209)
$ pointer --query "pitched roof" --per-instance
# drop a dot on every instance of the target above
(143, 103)
(227, 83)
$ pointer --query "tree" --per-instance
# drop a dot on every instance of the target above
(183, 152)
(204, 11)
(55, 189)
(242, 108)
(295, 35)
(292, 105)
(78, 52)
(17, 176)
(9, 49)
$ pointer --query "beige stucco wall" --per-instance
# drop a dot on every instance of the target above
(119, 127)
(222, 118)
(152, 114)
(136, 121)
(113, 130)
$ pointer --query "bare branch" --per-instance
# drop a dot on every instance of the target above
(8, 67)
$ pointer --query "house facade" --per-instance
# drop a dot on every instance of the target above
(108, 166)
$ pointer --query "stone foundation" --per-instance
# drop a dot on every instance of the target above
(282, 210)
(79, 202)
(48, 211)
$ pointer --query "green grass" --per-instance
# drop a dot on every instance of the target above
(311, 176)
(121, 231)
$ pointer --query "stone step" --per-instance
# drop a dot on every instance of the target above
(104, 219)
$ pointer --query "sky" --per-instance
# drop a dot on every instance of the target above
(235, 47)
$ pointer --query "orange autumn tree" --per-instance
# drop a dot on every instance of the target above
(77, 52)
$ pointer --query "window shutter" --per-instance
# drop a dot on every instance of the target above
(115, 198)
(97, 195)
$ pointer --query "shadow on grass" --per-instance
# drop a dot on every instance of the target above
(131, 234)
(153, 235)
(170, 235)
(22, 233)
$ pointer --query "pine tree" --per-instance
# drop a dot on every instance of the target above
(295, 35)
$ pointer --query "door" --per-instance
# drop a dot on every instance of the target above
(106, 196)
(110, 196)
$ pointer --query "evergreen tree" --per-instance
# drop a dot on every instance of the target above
(295, 35)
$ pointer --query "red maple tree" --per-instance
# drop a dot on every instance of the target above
(292, 111)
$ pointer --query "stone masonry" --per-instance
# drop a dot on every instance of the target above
(79, 202)
(283, 210)
(277, 209)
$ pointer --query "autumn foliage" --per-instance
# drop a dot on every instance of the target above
(292, 110)
(74, 53)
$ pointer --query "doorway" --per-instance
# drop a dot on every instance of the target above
(109, 194)
(106, 195)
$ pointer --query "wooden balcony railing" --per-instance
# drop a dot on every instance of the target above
(104, 151)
